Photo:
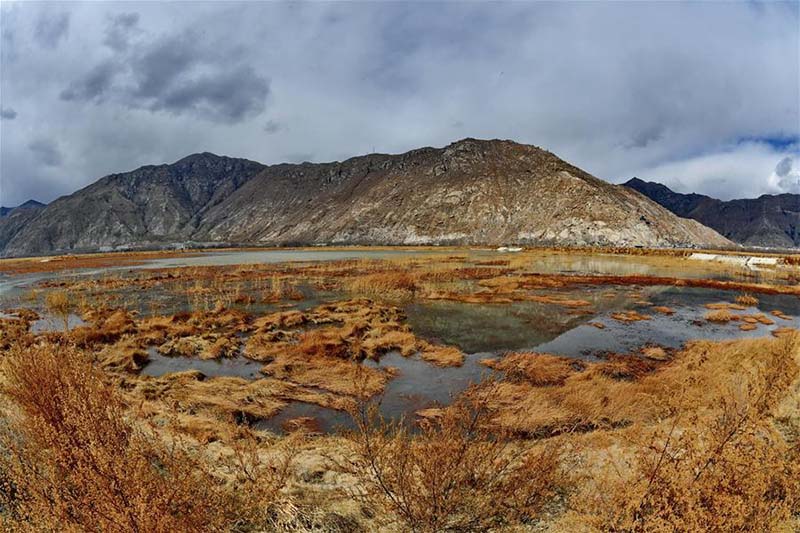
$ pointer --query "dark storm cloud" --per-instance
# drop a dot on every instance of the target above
(7, 113)
(46, 152)
(179, 75)
(119, 31)
(93, 85)
(226, 96)
(159, 66)
(51, 28)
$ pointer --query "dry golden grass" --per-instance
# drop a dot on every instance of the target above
(719, 462)
(721, 316)
(538, 369)
(391, 286)
(664, 310)
(60, 304)
(75, 458)
(780, 314)
(664, 442)
(747, 299)
(629, 316)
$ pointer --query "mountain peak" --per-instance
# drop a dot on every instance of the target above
(30, 204)
(200, 157)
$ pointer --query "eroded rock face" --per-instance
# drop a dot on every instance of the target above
(470, 192)
(149, 206)
(769, 220)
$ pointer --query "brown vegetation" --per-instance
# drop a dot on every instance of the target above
(76, 458)
(747, 299)
(455, 475)
(60, 304)
(673, 446)
(664, 310)
(720, 316)
(629, 316)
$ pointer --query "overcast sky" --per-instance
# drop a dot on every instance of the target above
(703, 97)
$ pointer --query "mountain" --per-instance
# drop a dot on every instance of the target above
(470, 192)
(150, 206)
(769, 220)
(30, 204)
(13, 219)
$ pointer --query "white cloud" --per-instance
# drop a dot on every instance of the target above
(743, 171)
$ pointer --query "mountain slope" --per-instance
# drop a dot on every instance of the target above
(151, 205)
(470, 192)
(14, 219)
(769, 220)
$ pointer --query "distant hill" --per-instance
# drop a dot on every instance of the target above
(30, 204)
(14, 219)
(470, 192)
(769, 220)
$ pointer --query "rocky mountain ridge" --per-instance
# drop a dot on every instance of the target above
(767, 221)
(470, 192)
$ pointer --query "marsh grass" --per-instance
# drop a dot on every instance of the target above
(61, 305)
(747, 299)
(391, 286)
(720, 316)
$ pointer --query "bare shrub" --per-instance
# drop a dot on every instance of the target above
(257, 474)
(454, 475)
(726, 475)
(74, 459)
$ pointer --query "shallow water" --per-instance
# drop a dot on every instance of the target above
(487, 331)
(545, 263)
(500, 327)
(52, 323)
(417, 385)
(252, 257)
(526, 326)
(240, 367)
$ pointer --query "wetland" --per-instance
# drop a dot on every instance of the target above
(329, 346)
